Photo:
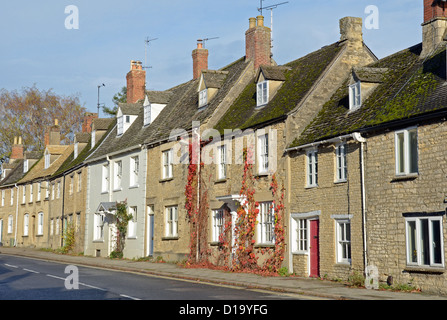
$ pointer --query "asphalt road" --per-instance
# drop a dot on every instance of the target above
(30, 279)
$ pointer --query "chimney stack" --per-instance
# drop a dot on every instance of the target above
(435, 25)
(17, 149)
(351, 30)
(258, 42)
(199, 59)
(88, 120)
(53, 135)
(136, 82)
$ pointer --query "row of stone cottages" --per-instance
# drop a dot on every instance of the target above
(355, 141)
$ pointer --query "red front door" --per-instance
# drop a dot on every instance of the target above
(314, 249)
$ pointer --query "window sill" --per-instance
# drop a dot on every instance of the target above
(166, 179)
(223, 180)
(405, 177)
(300, 253)
(215, 243)
(423, 269)
(340, 181)
(117, 189)
(98, 241)
(311, 187)
(261, 174)
(343, 263)
(169, 238)
(135, 186)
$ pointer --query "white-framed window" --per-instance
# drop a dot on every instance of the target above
(263, 154)
(355, 97)
(31, 192)
(25, 166)
(23, 194)
(147, 114)
(134, 170)
(58, 190)
(76, 150)
(117, 174)
(39, 191)
(266, 223)
(105, 178)
(203, 98)
(406, 151)
(222, 165)
(93, 140)
(341, 168)
(47, 190)
(53, 190)
(26, 225)
(47, 159)
(79, 185)
(167, 163)
(10, 223)
(71, 186)
(120, 125)
(57, 225)
(12, 196)
(51, 227)
(132, 225)
(424, 241)
(262, 93)
(312, 168)
(3, 198)
(300, 236)
(98, 226)
(343, 238)
(218, 224)
(40, 223)
(171, 221)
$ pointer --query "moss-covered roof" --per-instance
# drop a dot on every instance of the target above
(409, 87)
(301, 77)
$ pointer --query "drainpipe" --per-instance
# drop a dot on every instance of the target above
(17, 214)
(358, 137)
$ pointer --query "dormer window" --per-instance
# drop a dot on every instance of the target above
(120, 125)
(47, 159)
(93, 141)
(25, 166)
(147, 112)
(262, 93)
(355, 98)
(76, 150)
(203, 98)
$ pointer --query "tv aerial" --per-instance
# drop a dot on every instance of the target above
(147, 42)
(204, 40)
(274, 6)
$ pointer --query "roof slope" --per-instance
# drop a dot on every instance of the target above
(301, 77)
(181, 110)
(409, 87)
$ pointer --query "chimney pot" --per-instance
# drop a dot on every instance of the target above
(252, 23)
(136, 82)
(260, 20)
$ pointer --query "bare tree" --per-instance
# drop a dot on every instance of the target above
(29, 112)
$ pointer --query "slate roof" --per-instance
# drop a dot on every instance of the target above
(299, 79)
(181, 110)
(213, 78)
(15, 174)
(161, 97)
(409, 88)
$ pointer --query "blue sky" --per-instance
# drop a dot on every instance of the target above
(36, 48)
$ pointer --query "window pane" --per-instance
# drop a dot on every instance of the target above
(412, 249)
(425, 242)
(436, 241)
(413, 151)
(400, 153)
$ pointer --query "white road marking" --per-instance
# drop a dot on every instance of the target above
(9, 265)
(89, 286)
(129, 297)
(32, 271)
(56, 277)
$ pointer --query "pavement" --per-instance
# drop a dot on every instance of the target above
(313, 288)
